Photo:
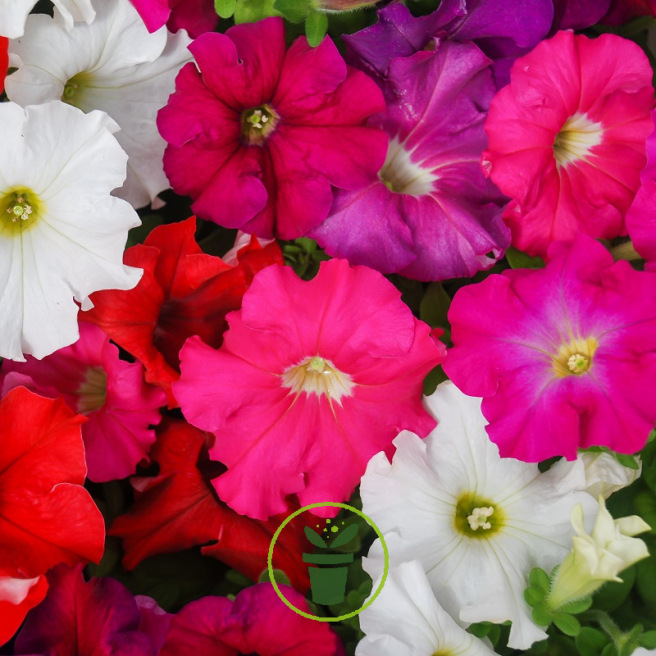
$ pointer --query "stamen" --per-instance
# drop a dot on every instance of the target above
(318, 376)
(478, 518)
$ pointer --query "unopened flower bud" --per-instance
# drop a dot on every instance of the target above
(598, 557)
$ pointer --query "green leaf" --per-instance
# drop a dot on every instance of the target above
(568, 624)
(279, 576)
(314, 538)
(645, 504)
(575, 607)
(542, 615)
(539, 579)
(433, 378)
(646, 580)
(294, 11)
(648, 640)
(434, 306)
(533, 595)
(627, 460)
(316, 26)
(225, 8)
(251, 11)
(480, 629)
(590, 642)
(345, 536)
(519, 260)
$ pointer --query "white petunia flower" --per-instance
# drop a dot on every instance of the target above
(478, 523)
(61, 233)
(605, 475)
(406, 620)
(13, 14)
(113, 64)
(597, 557)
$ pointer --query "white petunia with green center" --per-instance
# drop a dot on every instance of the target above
(406, 620)
(13, 14)
(478, 523)
(62, 234)
(115, 65)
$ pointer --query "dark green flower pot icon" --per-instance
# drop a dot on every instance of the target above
(329, 583)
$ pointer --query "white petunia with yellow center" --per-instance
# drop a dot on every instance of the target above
(13, 14)
(477, 523)
(113, 64)
(62, 234)
(407, 620)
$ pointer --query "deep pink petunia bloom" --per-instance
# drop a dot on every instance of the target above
(195, 16)
(567, 138)
(313, 378)
(120, 406)
(431, 215)
(640, 216)
(99, 617)
(256, 622)
(258, 133)
(564, 357)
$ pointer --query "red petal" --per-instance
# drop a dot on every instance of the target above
(46, 516)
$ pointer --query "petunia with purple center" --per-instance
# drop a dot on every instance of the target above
(503, 30)
(431, 215)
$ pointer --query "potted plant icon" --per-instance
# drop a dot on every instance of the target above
(329, 583)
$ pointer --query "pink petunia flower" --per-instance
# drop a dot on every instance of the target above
(195, 16)
(258, 133)
(313, 378)
(567, 138)
(431, 214)
(640, 216)
(112, 393)
(564, 357)
(257, 621)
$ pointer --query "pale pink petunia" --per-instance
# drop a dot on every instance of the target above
(564, 357)
(567, 138)
(259, 134)
(312, 379)
(121, 408)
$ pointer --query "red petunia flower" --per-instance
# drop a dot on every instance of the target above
(178, 509)
(183, 292)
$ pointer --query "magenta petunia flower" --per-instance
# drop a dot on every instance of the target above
(96, 617)
(640, 216)
(258, 133)
(120, 406)
(256, 622)
(431, 214)
(567, 138)
(312, 379)
(195, 16)
(564, 357)
(503, 30)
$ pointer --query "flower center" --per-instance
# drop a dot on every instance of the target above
(477, 517)
(576, 138)
(92, 392)
(20, 207)
(74, 89)
(318, 376)
(575, 358)
(403, 176)
(257, 124)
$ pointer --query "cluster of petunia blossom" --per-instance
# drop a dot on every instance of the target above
(207, 398)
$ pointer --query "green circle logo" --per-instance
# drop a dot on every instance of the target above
(276, 535)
